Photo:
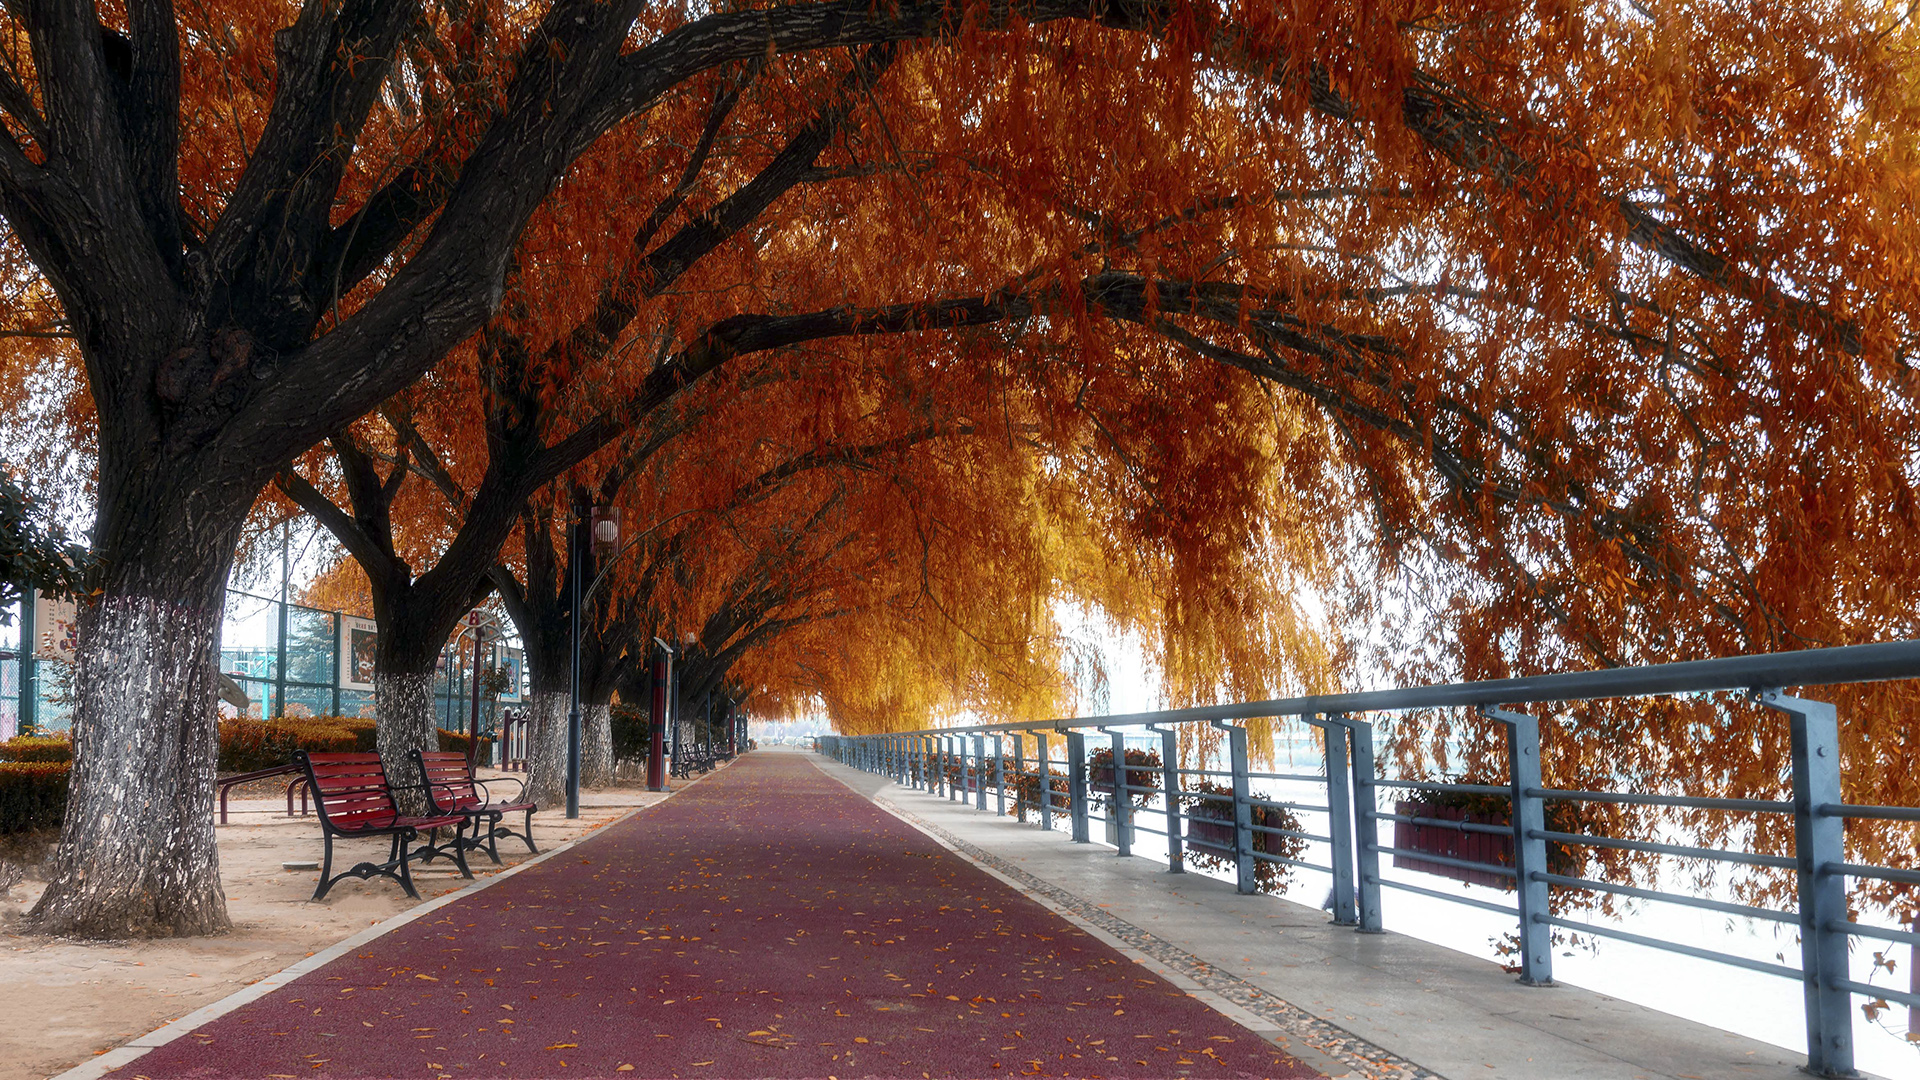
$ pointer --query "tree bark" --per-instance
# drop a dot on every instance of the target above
(137, 856)
(403, 721)
(547, 757)
(596, 744)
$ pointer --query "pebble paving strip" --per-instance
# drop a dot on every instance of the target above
(1363, 1057)
(766, 922)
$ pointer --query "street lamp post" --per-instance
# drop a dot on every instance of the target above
(657, 721)
(604, 531)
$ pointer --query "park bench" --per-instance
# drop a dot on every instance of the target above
(354, 800)
(451, 788)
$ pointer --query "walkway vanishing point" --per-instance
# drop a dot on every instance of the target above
(773, 920)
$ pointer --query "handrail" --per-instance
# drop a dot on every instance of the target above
(226, 787)
(1877, 662)
(953, 761)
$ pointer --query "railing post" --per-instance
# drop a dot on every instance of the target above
(1122, 803)
(1077, 785)
(1529, 848)
(1000, 775)
(1339, 818)
(1170, 790)
(1819, 843)
(947, 767)
(1366, 821)
(979, 772)
(1019, 773)
(1044, 757)
(1244, 880)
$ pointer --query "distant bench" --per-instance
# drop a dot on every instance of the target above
(451, 788)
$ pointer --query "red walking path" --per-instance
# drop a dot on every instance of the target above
(767, 922)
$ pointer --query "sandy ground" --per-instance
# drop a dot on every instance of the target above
(66, 1001)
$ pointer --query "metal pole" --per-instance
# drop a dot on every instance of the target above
(1000, 776)
(1122, 802)
(1019, 774)
(657, 719)
(1244, 880)
(1077, 786)
(1043, 760)
(1339, 818)
(573, 627)
(280, 643)
(473, 722)
(339, 657)
(1170, 787)
(979, 772)
(1529, 847)
(1819, 842)
(29, 667)
(1366, 821)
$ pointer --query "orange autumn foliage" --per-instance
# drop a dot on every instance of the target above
(1526, 336)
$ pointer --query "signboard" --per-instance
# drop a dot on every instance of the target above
(56, 635)
(514, 662)
(358, 639)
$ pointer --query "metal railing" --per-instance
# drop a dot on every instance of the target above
(1234, 824)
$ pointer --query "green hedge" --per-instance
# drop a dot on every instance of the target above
(247, 745)
(36, 748)
(33, 795)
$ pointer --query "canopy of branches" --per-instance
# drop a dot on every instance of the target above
(1456, 339)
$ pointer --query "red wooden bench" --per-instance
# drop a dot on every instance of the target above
(351, 793)
(452, 789)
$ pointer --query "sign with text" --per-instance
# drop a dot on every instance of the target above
(56, 634)
(358, 639)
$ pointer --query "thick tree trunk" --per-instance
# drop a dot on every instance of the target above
(547, 758)
(403, 721)
(596, 744)
(137, 857)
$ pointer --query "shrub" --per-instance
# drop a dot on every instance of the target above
(249, 745)
(36, 748)
(632, 732)
(1026, 791)
(33, 795)
(366, 738)
(1143, 774)
(454, 740)
(1211, 820)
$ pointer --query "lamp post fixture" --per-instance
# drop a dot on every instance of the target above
(657, 717)
(601, 537)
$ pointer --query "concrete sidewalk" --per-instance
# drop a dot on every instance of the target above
(1348, 1003)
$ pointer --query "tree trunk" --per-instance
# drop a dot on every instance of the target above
(547, 757)
(403, 721)
(137, 855)
(596, 745)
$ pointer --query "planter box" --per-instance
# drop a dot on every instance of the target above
(1143, 775)
(1113, 832)
(1206, 831)
(1452, 843)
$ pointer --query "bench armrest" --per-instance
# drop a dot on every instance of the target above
(485, 789)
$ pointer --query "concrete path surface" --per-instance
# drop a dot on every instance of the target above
(768, 922)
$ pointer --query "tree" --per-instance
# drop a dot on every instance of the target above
(1450, 240)
(242, 287)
